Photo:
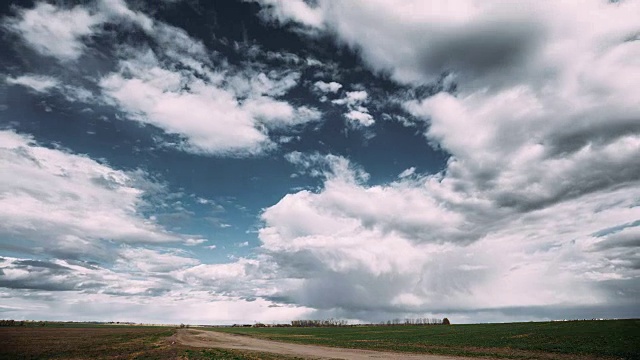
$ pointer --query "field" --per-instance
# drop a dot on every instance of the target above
(619, 339)
(106, 342)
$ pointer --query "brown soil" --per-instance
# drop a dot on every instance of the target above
(214, 339)
(120, 342)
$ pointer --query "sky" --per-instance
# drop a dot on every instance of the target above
(220, 162)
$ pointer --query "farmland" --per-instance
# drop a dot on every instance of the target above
(615, 339)
(87, 341)
(543, 340)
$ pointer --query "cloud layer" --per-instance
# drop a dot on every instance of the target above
(534, 215)
(231, 109)
(543, 141)
(62, 203)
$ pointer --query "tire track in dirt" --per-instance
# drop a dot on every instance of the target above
(215, 339)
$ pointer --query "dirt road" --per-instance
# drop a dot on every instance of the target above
(214, 339)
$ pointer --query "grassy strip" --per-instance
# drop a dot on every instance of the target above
(222, 354)
(618, 339)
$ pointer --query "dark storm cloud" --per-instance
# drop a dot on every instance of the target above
(607, 177)
(616, 229)
(495, 47)
(624, 240)
(565, 141)
(44, 275)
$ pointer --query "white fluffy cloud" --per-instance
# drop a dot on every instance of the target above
(416, 246)
(214, 108)
(360, 117)
(215, 123)
(358, 114)
(536, 210)
(543, 134)
(416, 41)
(229, 112)
(331, 87)
(62, 32)
(54, 31)
(293, 10)
(74, 200)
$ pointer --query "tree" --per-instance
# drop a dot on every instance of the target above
(446, 321)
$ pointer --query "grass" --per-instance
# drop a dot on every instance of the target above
(90, 341)
(221, 354)
(619, 339)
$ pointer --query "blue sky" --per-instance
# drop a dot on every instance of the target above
(240, 161)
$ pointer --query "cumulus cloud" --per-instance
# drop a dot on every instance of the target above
(543, 141)
(71, 198)
(218, 121)
(62, 32)
(352, 98)
(54, 31)
(520, 157)
(417, 41)
(331, 87)
(231, 110)
(194, 241)
(358, 114)
(414, 246)
(294, 10)
(535, 212)
(215, 124)
(360, 117)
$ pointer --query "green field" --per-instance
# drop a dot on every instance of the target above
(619, 339)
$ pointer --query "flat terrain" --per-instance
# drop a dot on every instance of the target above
(614, 339)
(200, 338)
(108, 342)
(558, 340)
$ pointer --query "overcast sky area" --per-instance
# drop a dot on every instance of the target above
(220, 162)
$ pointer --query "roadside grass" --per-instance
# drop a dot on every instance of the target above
(90, 341)
(616, 339)
(222, 354)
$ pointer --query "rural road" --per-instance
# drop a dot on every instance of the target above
(214, 339)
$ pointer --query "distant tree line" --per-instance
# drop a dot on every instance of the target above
(5, 323)
(319, 323)
(417, 321)
(339, 322)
